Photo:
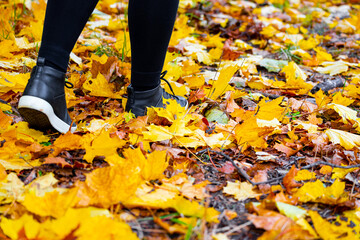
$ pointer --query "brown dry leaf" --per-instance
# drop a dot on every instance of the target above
(270, 220)
(302, 105)
(289, 179)
(57, 160)
(285, 149)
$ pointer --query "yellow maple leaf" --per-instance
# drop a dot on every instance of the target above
(54, 203)
(321, 99)
(296, 78)
(269, 31)
(306, 226)
(5, 120)
(43, 184)
(3, 173)
(325, 169)
(310, 191)
(157, 133)
(214, 140)
(8, 46)
(23, 132)
(352, 91)
(240, 190)
(12, 227)
(103, 227)
(328, 230)
(216, 53)
(345, 139)
(101, 145)
(322, 55)
(68, 141)
(172, 111)
(110, 185)
(341, 172)
(309, 44)
(195, 81)
(336, 190)
(72, 220)
(270, 110)
(301, 53)
(100, 87)
(249, 134)
(85, 223)
(152, 166)
(338, 98)
(317, 192)
(222, 83)
(147, 196)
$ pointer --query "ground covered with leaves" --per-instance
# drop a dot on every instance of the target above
(268, 149)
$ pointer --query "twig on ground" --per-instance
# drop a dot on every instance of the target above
(240, 170)
(247, 177)
(330, 164)
(237, 228)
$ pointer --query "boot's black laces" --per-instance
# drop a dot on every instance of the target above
(68, 84)
(162, 78)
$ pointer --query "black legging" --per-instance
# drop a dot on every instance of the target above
(150, 24)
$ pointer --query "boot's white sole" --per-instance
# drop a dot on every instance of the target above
(40, 114)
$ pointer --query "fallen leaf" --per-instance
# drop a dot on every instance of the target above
(345, 139)
(240, 190)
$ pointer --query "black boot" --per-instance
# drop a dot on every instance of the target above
(43, 103)
(138, 101)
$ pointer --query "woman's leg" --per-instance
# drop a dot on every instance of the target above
(43, 103)
(151, 23)
(64, 21)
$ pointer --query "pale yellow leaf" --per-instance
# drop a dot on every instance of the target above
(345, 139)
(291, 211)
(240, 190)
